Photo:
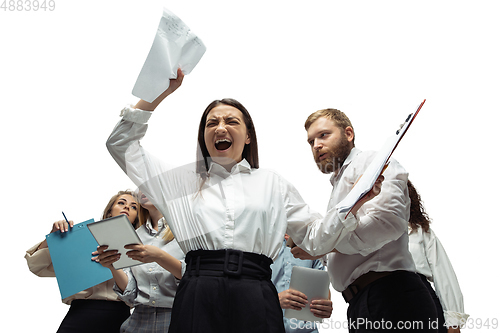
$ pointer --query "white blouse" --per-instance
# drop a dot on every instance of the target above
(149, 283)
(245, 209)
(431, 260)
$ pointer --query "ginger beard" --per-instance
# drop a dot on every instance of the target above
(335, 156)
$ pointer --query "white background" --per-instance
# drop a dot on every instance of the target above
(66, 74)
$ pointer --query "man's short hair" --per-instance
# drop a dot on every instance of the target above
(337, 116)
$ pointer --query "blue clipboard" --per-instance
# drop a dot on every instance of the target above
(71, 254)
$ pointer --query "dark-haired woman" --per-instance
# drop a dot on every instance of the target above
(433, 265)
(228, 216)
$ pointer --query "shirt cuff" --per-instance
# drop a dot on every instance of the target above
(128, 295)
(135, 115)
(349, 221)
(31, 251)
(455, 319)
(183, 268)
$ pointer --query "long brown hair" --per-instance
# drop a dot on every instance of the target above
(141, 217)
(418, 215)
(250, 152)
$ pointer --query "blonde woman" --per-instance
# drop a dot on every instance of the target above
(96, 309)
(150, 287)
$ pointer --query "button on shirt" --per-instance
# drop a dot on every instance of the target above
(149, 283)
(281, 275)
(380, 240)
(245, 209)
(432, 261)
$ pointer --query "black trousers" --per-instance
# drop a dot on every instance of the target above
(226, 291)
(399, 302)
(440, 313)
(96, 316)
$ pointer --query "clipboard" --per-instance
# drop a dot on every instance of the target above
(376, 167)
(312, 282)
(71, 254)
(116, 232)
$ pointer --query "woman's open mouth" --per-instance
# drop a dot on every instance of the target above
(222, 144)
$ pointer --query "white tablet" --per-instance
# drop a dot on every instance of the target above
(314, 283)
(116, 232)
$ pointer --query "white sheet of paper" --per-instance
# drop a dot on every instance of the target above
(174, 46)
(367, 180)
(116, 232)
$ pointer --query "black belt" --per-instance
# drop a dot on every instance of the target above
(361, 282)
(98, 304)
(229, 262)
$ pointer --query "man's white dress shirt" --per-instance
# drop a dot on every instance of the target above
(379, 242)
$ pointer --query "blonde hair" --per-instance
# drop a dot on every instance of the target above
(141, 217)
(167, 234)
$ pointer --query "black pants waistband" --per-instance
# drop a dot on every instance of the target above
(229, 262)
(99, 304)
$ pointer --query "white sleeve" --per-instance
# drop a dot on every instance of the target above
(130, 293)
(445, 281)
(159, 181)
(311, 232)
(382, 219)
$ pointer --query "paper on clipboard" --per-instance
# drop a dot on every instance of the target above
(70, 253)
(116, 232)
(175, 46)
(314, 284)
(376, 167)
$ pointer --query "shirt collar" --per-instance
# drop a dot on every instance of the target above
(243, 166)
(354, 151)
(151, 230)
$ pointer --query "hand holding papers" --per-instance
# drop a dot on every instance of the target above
(116, 232)
(377, 166)
(175, 46)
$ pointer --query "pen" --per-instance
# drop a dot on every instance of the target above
(66, 219)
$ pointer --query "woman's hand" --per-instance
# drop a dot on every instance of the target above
(322, 308)
(299, 253)
(292, 299)
(151, 253)
(62, 226)
(174, 84)
(106, 258)
(144, 253)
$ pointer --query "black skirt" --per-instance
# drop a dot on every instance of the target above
(226, 291)
(96, 316)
